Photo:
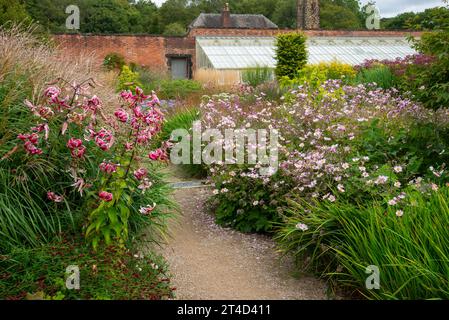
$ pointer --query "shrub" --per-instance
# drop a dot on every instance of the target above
(128, 79)
(291, 54)
(114, 61)
(431, 84)
(407, 243)
(257, 76)
(316, 74)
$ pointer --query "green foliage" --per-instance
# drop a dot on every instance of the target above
(431, 19)
(291, 54)
(335, 16)
(430, 85)
(174, 29)
(343, 239)
(108, 274)
(12, 11)
(235, 206)
(257, 76)
(113, 222)
(184, 119)
(128, 79)
(27, 218)
(315, 74)
(382, 76)
(419, 145)
(174, 89)
(114, 61)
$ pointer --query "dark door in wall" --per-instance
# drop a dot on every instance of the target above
(179, 68)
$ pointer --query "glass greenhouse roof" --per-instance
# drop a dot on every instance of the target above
(247, 52)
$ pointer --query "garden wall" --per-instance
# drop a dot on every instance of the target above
(145, 50)
(155, 52)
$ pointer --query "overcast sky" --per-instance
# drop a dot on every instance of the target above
(389, 8)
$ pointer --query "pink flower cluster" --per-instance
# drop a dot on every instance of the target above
(76, 148)
(30, 143)
(54, 197)
(399, 66)
(106, 196)
(108, 167)
(73, 106)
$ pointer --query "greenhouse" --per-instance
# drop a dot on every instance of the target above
(237, 53)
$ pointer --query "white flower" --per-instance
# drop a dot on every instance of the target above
(362, 169)
(341, 188)
(399, 213)
(302, 227)
(381, 180)
(397, 169)
(332, 198)
(392, 202)
(224, 190)
(365, 174)
(397, 184)
(216, 191)
(434, 187)
(255, 203)
(345, 166)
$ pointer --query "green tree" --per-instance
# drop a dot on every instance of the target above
(175, 29)
(291, 54)
(343, 14)
(430, 19)
(12, 11)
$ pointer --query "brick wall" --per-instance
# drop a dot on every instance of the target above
(155, 51)
(149, 51)
(144, 50)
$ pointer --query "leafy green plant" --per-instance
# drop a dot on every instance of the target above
(291, 54)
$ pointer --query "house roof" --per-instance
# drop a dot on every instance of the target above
(238, 21)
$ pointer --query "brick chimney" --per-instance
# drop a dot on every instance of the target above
(226, 17)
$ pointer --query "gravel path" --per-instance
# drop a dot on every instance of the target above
(212, 263)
